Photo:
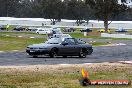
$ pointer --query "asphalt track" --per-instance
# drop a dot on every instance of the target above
(100, 54)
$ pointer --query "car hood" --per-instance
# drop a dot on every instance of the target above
(41, 45)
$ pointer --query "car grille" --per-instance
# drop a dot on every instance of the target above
(34, 48)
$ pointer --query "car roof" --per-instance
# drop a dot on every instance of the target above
(61, 36)
(55, 40)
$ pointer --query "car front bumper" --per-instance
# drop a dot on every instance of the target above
(37, 52)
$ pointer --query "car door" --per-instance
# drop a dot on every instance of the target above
(69, 48)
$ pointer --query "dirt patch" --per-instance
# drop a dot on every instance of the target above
(62, 67)
(94, 34)
(61, 75)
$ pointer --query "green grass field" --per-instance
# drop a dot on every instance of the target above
(17, 33)
(62, 77)
(8, 43)
(13, 42)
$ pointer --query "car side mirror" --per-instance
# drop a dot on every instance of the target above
(64, 44)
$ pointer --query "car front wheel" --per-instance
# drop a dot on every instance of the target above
(53, 53)
(82, 53)
(90, 51)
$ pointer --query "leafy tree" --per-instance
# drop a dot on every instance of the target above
(30, 8)
(2, 8)
(8, 7)
(37, 8)
(88, 13)
(24, 8)
(68, 9)
(106, 9)
(53, 9)
(76, 10)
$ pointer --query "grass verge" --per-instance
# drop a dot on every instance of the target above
(9, 43)
(17, 33)
(99, 43)
(61, 76)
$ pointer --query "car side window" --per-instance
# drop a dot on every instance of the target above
(80, 41)
(70, 41)
(40, 30)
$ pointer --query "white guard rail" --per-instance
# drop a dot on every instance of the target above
(116, 35)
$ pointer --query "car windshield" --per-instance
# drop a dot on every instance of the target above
(54, 41)
(80, 41)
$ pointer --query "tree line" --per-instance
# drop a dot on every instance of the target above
(67, 9)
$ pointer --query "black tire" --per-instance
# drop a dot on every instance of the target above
(64, 56)
(35, 56)
(85, 82)
(53, 53)
(82, 53)
(90, 51)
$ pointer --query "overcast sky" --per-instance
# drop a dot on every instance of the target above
(128, 2)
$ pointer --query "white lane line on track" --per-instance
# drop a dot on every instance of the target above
(116, 44)
(1, 51)
(15, 50)
(32, 37)
(72, 64)
(126, 62)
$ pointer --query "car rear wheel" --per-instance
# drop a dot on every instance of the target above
(82, 53)
(35, 56)
(64, 56)
(53, 53)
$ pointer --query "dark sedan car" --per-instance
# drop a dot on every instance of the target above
(2, 27)
(60, 47)
(86, 30)
(121, 30)
(19, 28)
(69, 29)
